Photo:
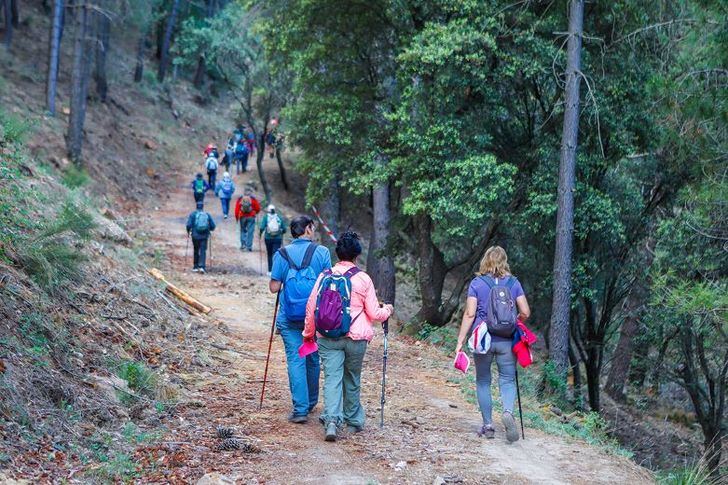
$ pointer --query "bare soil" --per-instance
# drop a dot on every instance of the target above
(429, 433)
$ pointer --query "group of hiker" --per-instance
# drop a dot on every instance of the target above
(326, 314)
(200, 224)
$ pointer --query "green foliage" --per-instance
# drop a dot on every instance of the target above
(139, 377)
(74, 177)
(50, 256)
(12, 129)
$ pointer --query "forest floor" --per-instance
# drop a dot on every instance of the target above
(429, 435)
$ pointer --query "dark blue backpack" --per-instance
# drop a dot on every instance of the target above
(298, 285)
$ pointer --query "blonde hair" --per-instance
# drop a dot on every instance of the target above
(495, 263)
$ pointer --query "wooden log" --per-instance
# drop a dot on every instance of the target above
(180, 294)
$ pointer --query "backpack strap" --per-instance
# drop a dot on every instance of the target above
(284, 254)
(488, 281)
(510, 282)
(308, 256)
(352, 271)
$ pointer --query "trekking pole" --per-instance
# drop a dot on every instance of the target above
(187, 248)
(209, 248)
(270, 344)
(520, 410)
(260, 246)
(385, 328)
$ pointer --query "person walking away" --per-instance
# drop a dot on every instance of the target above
(295, 269)
(247, 208)
(211, 150)
(342, 347)
(250, 142)
(225, 190)
(199, 226)
(495, 303)
(227, 159)
(240, 156)
(273, 227)
(211, 166)
(199, 187)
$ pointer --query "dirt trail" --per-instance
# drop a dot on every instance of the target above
(430, 429)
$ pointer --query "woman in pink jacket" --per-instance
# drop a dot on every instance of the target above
(342, 358)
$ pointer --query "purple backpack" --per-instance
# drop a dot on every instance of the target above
(333, 313)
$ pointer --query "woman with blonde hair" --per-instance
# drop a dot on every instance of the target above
(494, 274)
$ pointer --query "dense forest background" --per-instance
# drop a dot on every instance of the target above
(589, 139)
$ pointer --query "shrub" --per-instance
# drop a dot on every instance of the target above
(48, 257)
(75, 177)
(139, 377)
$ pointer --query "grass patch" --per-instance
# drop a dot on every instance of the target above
(140, 378)
(49, 257)
(12, 129)
(74, 177)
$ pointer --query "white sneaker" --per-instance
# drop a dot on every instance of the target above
(201, 270)
(268, 273)
(195, 270)
(225, 216)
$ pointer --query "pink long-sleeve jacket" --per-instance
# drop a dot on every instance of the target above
(363, 303)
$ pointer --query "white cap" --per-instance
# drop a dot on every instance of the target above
(226, 174)
(271, 208)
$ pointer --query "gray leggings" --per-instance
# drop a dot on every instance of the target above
(506, 361)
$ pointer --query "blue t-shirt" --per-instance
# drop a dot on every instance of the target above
(296, 250)
(480, 290)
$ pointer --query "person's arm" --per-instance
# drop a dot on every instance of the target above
(278, 273)
(371, 303)
(189, 224)
(309, 330)
(212, 222)
(471, 305)
(524, 311)
(274, 286)
(263, 222)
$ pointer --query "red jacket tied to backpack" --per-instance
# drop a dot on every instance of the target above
(240, 211)
(522, 347)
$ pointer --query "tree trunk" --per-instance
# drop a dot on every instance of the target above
(54, 50)
(167, 41)
(619, 371)
(201, 70)
(431, 273)
(74, 137)
(102, 48)
(282, 170)
(576, 372)
(559, 331)
(259, 163)
(7, 13)
(199, 78)
(592, 379)
(141, 48)
(15, 14)
(380, 264)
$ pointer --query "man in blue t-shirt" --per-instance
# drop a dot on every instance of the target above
(295, 270)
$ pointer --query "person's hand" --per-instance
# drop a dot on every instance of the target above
(308, 339)
(458, 348)
(389, 307)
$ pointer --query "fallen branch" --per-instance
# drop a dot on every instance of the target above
(180, 294)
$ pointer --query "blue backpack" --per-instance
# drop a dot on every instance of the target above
(241, 149)
(298, 284)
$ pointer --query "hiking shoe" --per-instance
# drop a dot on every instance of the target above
(487, 432)
(195, 270)
(297, 418)
(331, 431)
(354, 429)
(225, 216)
(510, 424)
(201, 270)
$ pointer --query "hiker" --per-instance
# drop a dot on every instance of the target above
(227, 159)
(199, 226)
(250, 141)
(211, 165)
(295, 269)
(270, 141)
(343, 335)
(240, 156)
(225, 190)
(496, 302)
(211, 150)
(199, 187)
(274, 227)
(246, 209)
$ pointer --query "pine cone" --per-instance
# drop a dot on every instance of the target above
(224, 432)
(248, 448)
(230, 444)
